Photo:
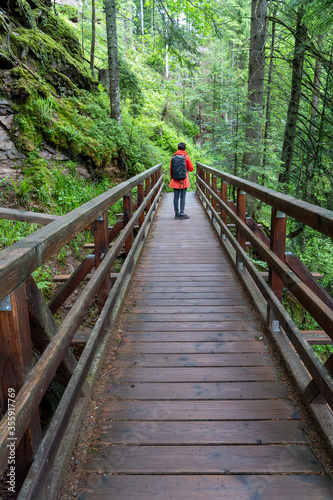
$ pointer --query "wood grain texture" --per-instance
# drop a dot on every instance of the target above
(200, 390)
(190, 360)
(181, 335)
(202, 432)
(230, 374)
(205, 459)
(190, 347)
(199, 410)
(189, 326)
(313, 216)
(206, 487)
(22, 258)
(193, 407)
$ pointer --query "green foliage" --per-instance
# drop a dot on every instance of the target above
(36, 172)
(261, 265)
(70, 191)
(11, 232)
(323, 351)
(44, 280)
(156, 61)
(67, 11)
(53, 57)
(315, 251)
(59, 29)
(22, 190)
(130, 87)
(203, 102)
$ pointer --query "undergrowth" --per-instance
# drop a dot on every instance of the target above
(58, 192)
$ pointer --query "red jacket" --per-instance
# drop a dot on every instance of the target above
(189, 168)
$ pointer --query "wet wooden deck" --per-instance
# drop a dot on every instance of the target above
(195, 408)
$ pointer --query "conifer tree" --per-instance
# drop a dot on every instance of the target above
(294, 101)
(251, 159)
(111, 31)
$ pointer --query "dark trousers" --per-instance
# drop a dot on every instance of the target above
(179, 194)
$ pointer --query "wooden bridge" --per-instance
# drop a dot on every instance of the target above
(214, 392)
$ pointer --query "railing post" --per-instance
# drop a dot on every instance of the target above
(241, 212)
(278, 246)
(140, 201)
(152, 184)
(198, 179)
(101, 239)
(147, 186)
(159, 174)
(224, 197)
(214, 188)
(16, 360)
(127, 201)
(208, 184)
(202, 178)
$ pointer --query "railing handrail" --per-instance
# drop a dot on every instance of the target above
(24, 216)
(28, 321)
(313, 378)
(18, 261)
(314, 216)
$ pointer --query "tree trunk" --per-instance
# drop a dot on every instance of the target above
(93, 38)
(292, 115)
(268, 104)
(82, 28)
(316, 91)
(111, 32)
(167, 61)
(236, 144)
(142, 19)
(251, 159)
(128, 27)
(315, 137)
(317, 131)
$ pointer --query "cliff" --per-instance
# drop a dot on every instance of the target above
(41, 64)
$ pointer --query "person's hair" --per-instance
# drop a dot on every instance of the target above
(182, 146)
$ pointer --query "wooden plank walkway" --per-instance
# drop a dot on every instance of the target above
(195, 408)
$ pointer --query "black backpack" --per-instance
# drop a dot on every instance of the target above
(178, 167)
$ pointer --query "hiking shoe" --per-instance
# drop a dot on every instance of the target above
(177, 216)
(184, 216)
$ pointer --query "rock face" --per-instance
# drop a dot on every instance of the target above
(39, 56)
(10, 158)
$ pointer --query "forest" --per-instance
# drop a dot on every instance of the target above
(102, 90)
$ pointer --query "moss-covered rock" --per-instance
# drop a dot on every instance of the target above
(5, 61)
(44, 42)
(23, 12)
(48, 55)
(60, 31)
(58, 104)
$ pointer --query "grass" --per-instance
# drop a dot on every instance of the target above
(56, 191)
(323, 351)
(13, 231)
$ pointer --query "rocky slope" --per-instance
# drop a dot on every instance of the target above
(40, 56)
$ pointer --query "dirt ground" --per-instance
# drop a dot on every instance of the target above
(88, 438)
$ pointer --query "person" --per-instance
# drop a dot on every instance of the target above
(180, 186)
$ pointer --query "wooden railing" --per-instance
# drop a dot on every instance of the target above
(27, 323)
(286, 271)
